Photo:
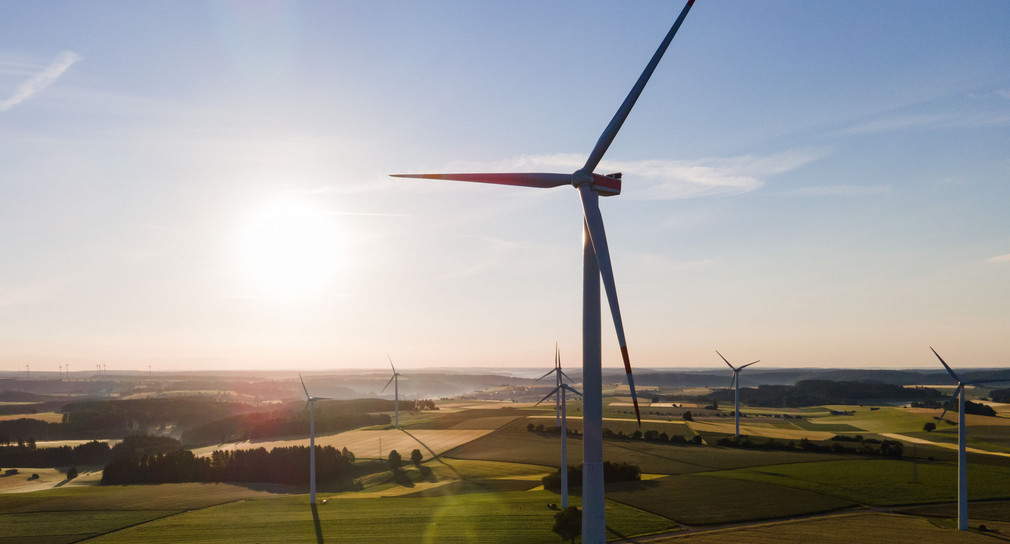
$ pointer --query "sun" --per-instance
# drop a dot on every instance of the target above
(290, 248)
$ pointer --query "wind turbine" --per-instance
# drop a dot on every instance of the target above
(736, 385)
(962, 458)
(595, 264)
(557, 383)
(559, 391)
(395, 380)
(311, 405)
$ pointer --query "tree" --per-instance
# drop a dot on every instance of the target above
(687, 416)
(568, 523)
(395, 460)
(929, 426)
(72, 473)
(416, 457)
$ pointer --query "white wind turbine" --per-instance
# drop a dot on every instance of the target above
(559, 414)
(557, 383)
(736, 385)
(962, 458)
(311, 405)
(395, 380)
(595, 263)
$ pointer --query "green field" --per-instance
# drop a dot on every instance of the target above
(488, 489)
(842, 529)
(479, 517)
(881, 481)
(704, 500)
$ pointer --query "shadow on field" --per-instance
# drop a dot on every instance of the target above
(434, 456)
(319, 527)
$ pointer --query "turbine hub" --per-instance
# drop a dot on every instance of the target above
(581, 177)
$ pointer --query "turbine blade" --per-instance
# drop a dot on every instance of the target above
(944, 363)
(598, 236)
(555, 390)
(622, 113)
(389, 382)
(733, 381)
(306, 389)
(545, 375)
(567, 376)
(572, 389)
(391, 363)
(748, 364)
(953, 398)
(531, 179)
(724, 359)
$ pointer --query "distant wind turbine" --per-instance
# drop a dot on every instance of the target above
(557, 383)
(559, 392)
(736, 385)
(395, 380)
(311, 405)
(595, 263)
(962, 458)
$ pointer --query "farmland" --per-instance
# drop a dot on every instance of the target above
(482, 462)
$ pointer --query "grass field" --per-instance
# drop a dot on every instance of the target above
(483, 517)
(881, 481)
(703, 500)
(840, 529)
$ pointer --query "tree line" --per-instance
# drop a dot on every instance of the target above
(27, 455)
(821, 392)
(285, 465)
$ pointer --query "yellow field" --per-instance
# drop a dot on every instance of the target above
(367, 444)
(764, 432)
(48, 417)
(60, 443)
(48, 479)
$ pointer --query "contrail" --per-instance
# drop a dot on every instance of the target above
(41, 80)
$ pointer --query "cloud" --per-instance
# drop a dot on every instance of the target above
(1005, 93)
(1000, 259)
(41, 80)
(843, 190)
(927, 122)
(664, 179)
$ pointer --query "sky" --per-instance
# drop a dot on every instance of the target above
(204, 185)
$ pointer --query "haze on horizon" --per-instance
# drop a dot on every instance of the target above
(204, 185)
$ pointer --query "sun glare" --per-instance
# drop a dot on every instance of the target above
(290, 248)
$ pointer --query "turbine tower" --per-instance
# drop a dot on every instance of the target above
(962, 458)
(559, 392)
(310, 403)
(736, 385)
(395, 380)
(595, 264)
(557, 383)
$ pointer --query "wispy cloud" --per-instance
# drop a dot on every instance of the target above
(927, 121)
(663, 179)
(843, 190)
(41, 80)
(1000, 259)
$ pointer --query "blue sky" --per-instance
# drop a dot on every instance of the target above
(195, 185)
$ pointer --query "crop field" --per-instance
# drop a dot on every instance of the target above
(370, 444)
(653, 458)
(838, 529)
(729, 428)
(48, 417)
(703, 500)
(881, 481)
